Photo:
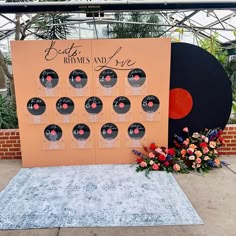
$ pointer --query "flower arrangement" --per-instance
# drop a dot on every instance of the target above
(199, 150)
(159, 158)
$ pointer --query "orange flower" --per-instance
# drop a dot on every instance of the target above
(212, 144)
(193, 146)
(198, 153)
(183, 152)
(217, 162)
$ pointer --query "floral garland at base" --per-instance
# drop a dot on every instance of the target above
(199, 151)
(191, 152)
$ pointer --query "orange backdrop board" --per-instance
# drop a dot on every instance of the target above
(90, 101)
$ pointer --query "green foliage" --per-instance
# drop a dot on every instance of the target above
(8, 116)
(7, 60)
(132, 30)
(52, 26)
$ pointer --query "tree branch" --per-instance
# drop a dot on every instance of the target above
(4, 67)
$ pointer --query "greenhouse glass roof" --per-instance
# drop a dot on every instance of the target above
(196, 19)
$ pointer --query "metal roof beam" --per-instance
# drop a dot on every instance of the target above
(123, 5)
(221, 19)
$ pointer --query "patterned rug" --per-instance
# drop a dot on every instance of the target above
(93, 196)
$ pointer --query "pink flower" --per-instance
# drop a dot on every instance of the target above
(186, 143)
(158, 150)
(151, 155)
(176, 167)
(143, 164)
(198, 160)
(155, 167)
(205, 150)
(185, 129)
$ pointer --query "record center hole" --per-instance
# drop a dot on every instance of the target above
(36, 106)
(150, 104)
(136, 77)
(121, 105)
(136, 131)
(108, 78)
(81, 132)
(53, 132)
(49, 78)
(65, 106)
(94, 105)
(109, 131)
(78, 78)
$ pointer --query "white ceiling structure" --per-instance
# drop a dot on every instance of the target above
(196, 18)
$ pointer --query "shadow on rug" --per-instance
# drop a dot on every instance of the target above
(93, 196)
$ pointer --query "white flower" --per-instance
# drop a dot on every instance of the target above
(206, 158)
(151, 162)
(191, 158)
(206, 139)
(196, 135)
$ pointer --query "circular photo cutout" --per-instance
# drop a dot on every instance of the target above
(136, 131)
(49, 78)
(78, 78)
(109, 131)
(81, 132)
(65, 106)
(53, 133)
(136, 77)
(108, 78)
(93, 105)
(36, 106)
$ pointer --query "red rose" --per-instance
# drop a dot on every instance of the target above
(162, 158)
(189, 152)
(155, 167)
(203, 144)
(153, 146)
(166, 163)
(139, 160)
(171, 162)
(222, 140)
(171, 151)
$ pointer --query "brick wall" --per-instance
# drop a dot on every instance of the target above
(229, 134)
(10, 143)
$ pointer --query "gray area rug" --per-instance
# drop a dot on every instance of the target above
(93, 196)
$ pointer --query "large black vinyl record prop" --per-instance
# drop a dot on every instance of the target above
(198, 72)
